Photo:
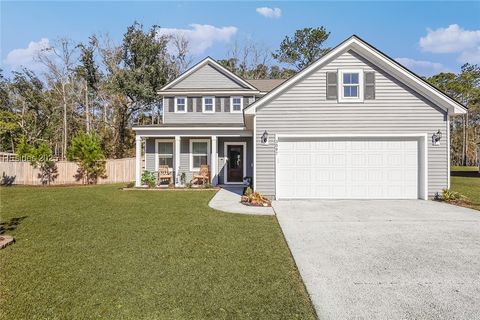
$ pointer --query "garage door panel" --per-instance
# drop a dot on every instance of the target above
(348, 169)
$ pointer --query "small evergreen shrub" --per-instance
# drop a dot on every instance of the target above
(148, 179)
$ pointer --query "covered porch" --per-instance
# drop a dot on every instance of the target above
(227, 151)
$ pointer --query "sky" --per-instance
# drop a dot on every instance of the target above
(426, 37)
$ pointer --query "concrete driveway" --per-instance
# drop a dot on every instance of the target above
(406, 259)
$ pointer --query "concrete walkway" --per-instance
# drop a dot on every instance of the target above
(228, 200)
(405, 259)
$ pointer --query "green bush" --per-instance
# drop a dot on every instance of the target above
(131, 184)
(248, 191)
(39, 157)
(148, 179)
(85, 149)
(452, 196)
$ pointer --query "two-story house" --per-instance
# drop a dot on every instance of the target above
(353, 125)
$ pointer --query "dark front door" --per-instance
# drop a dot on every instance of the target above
(235, 163)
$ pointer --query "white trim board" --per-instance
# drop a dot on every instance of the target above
(422, 146)
(378, 58)
(225, 157)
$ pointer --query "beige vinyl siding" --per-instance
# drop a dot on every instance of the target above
(194, 112)
(207, 77)
(303, 109)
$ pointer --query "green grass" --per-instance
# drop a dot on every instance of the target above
(466, 180)
(102, 253)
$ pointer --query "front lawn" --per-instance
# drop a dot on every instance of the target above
(466, 180)
(99, 252)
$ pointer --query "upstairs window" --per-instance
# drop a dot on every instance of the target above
(180, 104)
(236, 104)
(208, 105)
(350, 85)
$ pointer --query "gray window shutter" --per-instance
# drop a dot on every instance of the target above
(332, 84)
(189, 105)
(369, 85)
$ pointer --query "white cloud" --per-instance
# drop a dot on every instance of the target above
(422, 67)
(450, 39)
(453, 39)
(470, 56)
(202, 36)
(270, 12)
(25, 57)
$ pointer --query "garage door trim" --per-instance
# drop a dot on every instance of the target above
(423, 147)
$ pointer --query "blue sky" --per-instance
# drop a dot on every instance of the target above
(427, 37)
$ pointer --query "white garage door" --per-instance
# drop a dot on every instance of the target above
(347, 169)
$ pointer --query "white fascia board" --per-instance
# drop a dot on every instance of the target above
(209, 92)
(382, 61)
(187, 128)
(202, 63)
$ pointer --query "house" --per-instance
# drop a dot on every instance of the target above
(353, 125)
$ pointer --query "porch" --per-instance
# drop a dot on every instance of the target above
(228, 152)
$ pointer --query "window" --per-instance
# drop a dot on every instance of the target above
(236, 104)
(208, 104)
(199, 153)
(180, 104)
(351, 84)
(165, 153)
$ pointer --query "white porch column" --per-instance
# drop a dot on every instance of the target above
(138, 160)
(214, 161)
(177, 161)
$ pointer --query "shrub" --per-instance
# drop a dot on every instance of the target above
(131, 184)
(183, 178)
(85, 149)
(188, 185)
(256, 199)
(148, 179)
(40, 157)
(208, 185)
(248, 191)
(453, 196)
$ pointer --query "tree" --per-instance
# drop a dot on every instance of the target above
(306, 46)
(465, 130)
(60, 63)
(145, 68)
(39, 157)
(85, 149)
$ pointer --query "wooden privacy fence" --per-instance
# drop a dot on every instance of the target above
(117, 170)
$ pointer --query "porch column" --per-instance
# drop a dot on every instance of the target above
(214, 161)
(177, 161)
(138, 160)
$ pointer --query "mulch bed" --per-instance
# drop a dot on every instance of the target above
(171, 189)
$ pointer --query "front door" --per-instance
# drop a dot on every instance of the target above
(235, 163)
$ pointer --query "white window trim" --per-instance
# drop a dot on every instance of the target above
(176, 106)
(231, 104)
(157, 163)
(213, 104)
(191, 152)
(341, 97)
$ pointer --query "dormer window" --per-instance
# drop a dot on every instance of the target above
(180, 104)
(236, 104)
(350, 85)
(208, 105)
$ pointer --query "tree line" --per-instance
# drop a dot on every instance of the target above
(102, 88)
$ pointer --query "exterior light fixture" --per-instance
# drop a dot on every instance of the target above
(264, 138)
(436, 137)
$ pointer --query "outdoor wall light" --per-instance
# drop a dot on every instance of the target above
(436, 137)
(264, 138)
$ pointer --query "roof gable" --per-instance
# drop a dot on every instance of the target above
(380, 60)
(208, 74)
